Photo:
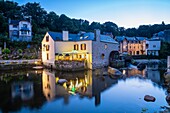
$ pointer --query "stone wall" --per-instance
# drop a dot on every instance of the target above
(69, 65)
(101, 52)
(117, 63)
(16, 66)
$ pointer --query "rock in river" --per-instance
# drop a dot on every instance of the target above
(114, 71)
(168, 97)
(149, 98)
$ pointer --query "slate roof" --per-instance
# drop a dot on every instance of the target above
(14, 22)
(121, 38)
(57, 36)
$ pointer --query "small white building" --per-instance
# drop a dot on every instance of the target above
(153, 47)
(93, 49)
(20, 30)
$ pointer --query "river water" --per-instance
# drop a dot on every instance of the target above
(84, 92)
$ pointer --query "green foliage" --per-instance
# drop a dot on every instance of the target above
(20, 51)
(164, 52)
(6, 51)
(43, 22)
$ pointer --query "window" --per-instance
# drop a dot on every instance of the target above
(83, 46)
(137, 52)
(147, 45)
(47, 38)
(23, 32)
(154, 45)
(47, 56)
(76, 47)
(25, 25)
(102, 55)
(47, 47)
(14, 26)
(105, 46)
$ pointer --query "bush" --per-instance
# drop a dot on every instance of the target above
(6, 51)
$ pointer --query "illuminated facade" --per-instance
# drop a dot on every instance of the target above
(132, 45)
(91, 49)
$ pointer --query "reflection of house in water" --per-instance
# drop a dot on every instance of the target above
(99, 84)
(150, 72)
(24, 90)
(48, 82)
(133, 72)
(153, 73)
(86, 84)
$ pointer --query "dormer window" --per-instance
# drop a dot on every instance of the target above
(47, 38)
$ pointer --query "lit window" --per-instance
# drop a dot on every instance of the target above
(47, 38)
(47, 47)
(83, 46)
(76, 47)
(105, 46)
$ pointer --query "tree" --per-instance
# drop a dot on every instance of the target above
(37, 13)
(110, 27)
(4, 38)
(52, 21)
(94, 25)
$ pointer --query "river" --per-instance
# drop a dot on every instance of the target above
(85, 91)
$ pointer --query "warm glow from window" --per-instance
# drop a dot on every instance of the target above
(76, 47)
(83, 46)
(47, 47)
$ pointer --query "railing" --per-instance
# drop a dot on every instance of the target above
(33, 61)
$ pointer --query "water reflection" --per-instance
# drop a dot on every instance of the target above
(23, 89)
(94, 91)
(151, 72)
(78, 83)
(19, 89)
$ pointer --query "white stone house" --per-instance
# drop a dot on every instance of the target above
(153, 47)
(20, 30)
(92, 48)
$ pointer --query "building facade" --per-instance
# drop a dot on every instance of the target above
(131, 45)
(153, 47)
(93, 49)
(20, 30)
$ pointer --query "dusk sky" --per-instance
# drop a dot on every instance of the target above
(125, 13)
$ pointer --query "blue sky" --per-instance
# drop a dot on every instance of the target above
(125, 13)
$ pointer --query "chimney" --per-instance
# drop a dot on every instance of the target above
(65, 35)
(97, 35)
